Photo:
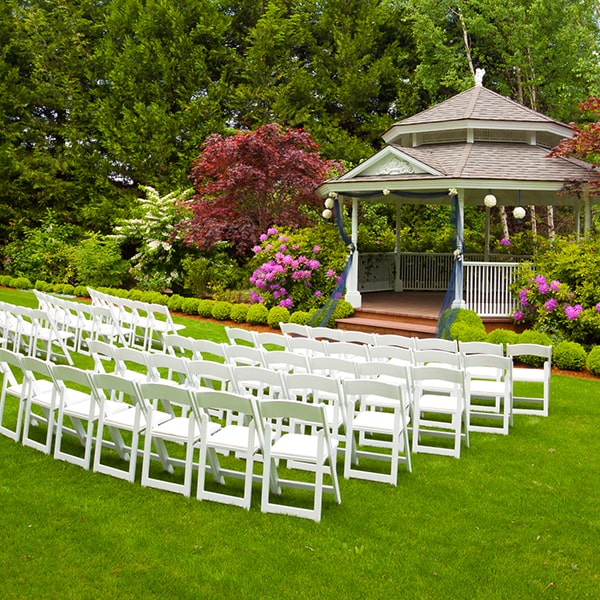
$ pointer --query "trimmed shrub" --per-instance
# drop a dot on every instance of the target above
(5, 280)
(257, 314)
(41, 286)
(278, 314)
(154, 297)
(81, 291)
(569, 356)
(461, 317)
(205, 308)
(502, 336)
(300, 317)
(239, 312)
(190, 306)
(343, 310)
(135, 294)
(530, 336)
(221, 310)
(175, 302)
(20, 283)
(593, 361)
(463, 332)
(68, 289)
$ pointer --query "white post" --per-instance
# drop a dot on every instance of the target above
(458, 266)
(352, 293)
(587, 218)
(577, 218)
(398, 283)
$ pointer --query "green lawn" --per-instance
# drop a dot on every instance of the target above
(515, 517)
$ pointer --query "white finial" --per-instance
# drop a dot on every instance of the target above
(479, 73)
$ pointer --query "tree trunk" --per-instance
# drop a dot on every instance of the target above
(504, 222)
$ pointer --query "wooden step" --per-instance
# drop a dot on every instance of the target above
(378, 325)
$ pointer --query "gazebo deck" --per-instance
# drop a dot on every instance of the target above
(404, 313)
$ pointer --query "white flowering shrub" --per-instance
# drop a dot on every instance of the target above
(152, 231)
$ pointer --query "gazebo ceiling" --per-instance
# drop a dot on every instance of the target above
(478, 142)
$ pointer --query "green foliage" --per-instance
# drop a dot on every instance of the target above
(20, 283)
(221, 310)
(175, 303)
(205, 308)
(376, 228)
(5, 280)
(463, 332)
(300, 317)
(212, 274)
(97, 261)
(277, 315)
(81, 291)
(41, 286)
(593, 361)
(502, 336)
(239, 312)
(569, 356)
(190, 306)
(257, 314)
(343, 309)
(135, 294)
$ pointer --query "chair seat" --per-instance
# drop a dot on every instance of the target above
(375, 421)
(177, 428)
(486, 387)
(297, 446)
(234, 437)
(434, 403)
(529, 375)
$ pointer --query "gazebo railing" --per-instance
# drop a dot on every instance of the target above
(486, 283)
(487, 287)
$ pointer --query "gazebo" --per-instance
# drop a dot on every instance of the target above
(476, 148)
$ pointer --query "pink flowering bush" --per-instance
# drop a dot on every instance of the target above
(296, 270)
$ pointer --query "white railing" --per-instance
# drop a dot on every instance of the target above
(487, 287)
(376, 271)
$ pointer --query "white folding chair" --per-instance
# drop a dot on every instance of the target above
(438, 392)
(488, 392)
(209, 350)
(243, 440)
(103, 355)
(41, 402)
(469, 348)
(167, 368)
(159, 323)
(349, 351)
(244, 356)
(313, 450)
(378, 411)
(307, 346)
(13, 388)
(77, 402)
(180, 345)
(531, 385)
(176, 431)
(132, 364)
(334, 366)
(392, 354)
(132, 419)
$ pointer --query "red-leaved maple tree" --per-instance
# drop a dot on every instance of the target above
(585, 143)
(247, 182)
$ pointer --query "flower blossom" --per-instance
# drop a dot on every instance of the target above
(551, 304)
(543, 288)
(598, 307)
(316, 249)
(572, 312)
(518, 315)
(331, 273)
(554, 285)
(505, 242)
(272, 231)
(523, 296)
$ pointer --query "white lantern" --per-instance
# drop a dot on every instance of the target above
(327, 214)
(386, 192)
(519, 212)
(490, 200)
(329, 203)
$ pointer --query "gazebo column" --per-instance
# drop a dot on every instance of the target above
(352, 293)
(458, 262)
(587, 217)
(398, 282)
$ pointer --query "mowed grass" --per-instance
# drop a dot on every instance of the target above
(516, 517)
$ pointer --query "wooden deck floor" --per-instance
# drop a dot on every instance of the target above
(425, 304)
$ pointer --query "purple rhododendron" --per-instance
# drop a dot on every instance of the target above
(551, 304)
(543, 288)
(572, 312)
(505, 242)
(518, 315)
(554, 285)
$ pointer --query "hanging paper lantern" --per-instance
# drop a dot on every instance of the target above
(329, 203)
(519, 212)
(490, 200)
(327, 214)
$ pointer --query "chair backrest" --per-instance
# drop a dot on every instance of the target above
(103, 355)
(294, 329)
(438, 380)
(238, 335)
(439, 357)
(334, 366)
(481, 348)
(373, 392)
(311, 414)
(539, 350)
(501, 364)
(178, 344)
(348, 350)
(329, 334)
(74, 375)
(313, 387)
(131, 359)
(158, 393)
(394, 339)
(244, 356)
(167, 367)
(209, 350)
(210, 374)
(108, 386)
(436, 344)
(286, 361)
(274, 341)
(359, 337)
(263, 382)
(308, 346)
(393, 354)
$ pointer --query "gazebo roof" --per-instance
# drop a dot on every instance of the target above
(476, 141)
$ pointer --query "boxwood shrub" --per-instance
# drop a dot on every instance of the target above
(190, 306)
(531, 336)
(570, 356)
(278, 314)
(20, 283)
(205, 308)
(300, 317)
(502, 336)
(239, 312)
(464, 332)
(257, 314)
(175, 303)
(221, 310)
(593, 361)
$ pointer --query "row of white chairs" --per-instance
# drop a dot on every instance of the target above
(139, 324)
(249, 347)
(33, 332)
